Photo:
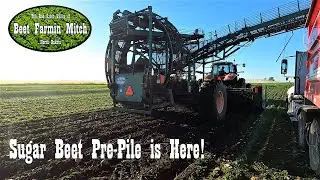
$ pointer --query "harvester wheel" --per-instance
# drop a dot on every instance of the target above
(214, 102)
(314, 145)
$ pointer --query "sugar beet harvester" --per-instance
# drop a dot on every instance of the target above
(150, 65)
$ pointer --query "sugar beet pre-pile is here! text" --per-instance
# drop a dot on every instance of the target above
(124, 149)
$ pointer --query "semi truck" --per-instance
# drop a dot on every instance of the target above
(304, 97)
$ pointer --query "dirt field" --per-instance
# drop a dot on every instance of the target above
(249, 145)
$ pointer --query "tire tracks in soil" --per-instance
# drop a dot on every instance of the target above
(281, 150)
(108, 126)
(273, 143)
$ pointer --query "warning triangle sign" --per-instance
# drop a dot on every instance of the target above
(129, 91)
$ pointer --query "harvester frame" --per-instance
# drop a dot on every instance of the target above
(161, 71)
(164, 62)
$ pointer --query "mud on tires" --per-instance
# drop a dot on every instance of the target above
(213, 102)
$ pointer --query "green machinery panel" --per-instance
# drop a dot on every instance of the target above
(123, 82)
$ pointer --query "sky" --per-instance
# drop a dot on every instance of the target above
(86, 62)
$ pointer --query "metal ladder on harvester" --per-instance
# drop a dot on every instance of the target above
(227, 40)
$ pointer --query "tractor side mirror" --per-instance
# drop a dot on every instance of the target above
(243, 65)
(284, 66)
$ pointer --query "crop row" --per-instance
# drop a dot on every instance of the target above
(30, 108)
(48, 87)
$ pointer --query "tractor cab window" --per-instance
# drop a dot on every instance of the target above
(232, 70)
(220, 69)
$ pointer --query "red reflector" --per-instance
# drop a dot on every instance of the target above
(129, 91)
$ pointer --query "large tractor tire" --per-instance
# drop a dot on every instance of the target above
(213, 102)
(314, 146)
(242, 83)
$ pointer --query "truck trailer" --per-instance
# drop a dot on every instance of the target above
(304, 98)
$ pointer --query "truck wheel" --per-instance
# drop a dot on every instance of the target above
(213, 102)
(314, 140)
(302, 119)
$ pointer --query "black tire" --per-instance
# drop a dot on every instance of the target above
(314, 142)
(242, 83)
(213, 102)
(302, 120)
(248, 85)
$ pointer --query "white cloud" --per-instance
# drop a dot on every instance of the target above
(19, 63)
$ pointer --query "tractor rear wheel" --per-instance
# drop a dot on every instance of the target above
(213, 103)
(242, 83)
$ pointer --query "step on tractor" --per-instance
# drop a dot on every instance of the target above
(150, 65)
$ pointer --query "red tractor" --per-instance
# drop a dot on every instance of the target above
(222, 90)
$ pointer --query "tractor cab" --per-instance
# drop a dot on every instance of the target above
(224, 70)
(227, 72)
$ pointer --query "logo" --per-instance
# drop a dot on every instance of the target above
(50, 28)
(121, 80)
